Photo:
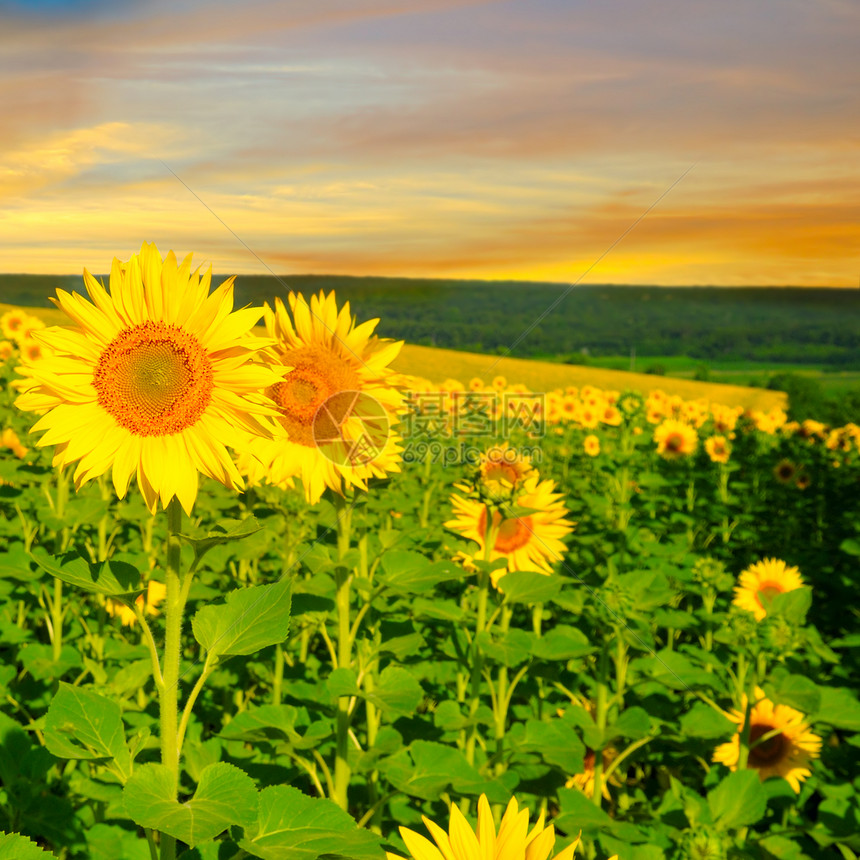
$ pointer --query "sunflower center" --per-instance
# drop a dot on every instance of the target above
(674, 442)
(768, 751)
(501, 472)
(155, 379)
(309, 399)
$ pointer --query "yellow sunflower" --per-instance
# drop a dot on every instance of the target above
(156, 380)
(761, 582)
(155, 594)
(718, 449)
(6, 349)
(337, 403)
(502, 471)
(675, 439)
(9, 439)
(784, 471)
(530, 542)
(780, 742)
(591, 445)
(13, 322)
(513, 841)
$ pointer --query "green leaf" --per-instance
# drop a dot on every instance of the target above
(111, 578)
(108, 842)
(528, 586)
(578, 813)
(13, 846)
(738, 801)
(511, 648)
(796, 691)
(84, 725)
(839, 708)
(15, 564)
(408, 572)
(703, 721)
(634, 723)
(39, 661)
(223, 532)
(292, 826)
(251, 619)
(396, 691)
(557, 743)
(562, 643)
(225, 796)
(675, 670)
(791, 605)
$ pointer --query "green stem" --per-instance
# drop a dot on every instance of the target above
(502, 699)
(169, 693)
(343, 578)
(600, 717)
(278, 679)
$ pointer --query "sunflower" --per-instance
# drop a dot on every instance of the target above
(499, 383)
(512, 842)
(784, 471)
(6, 349)
(591, 445)
(718, 449)
(675, 439)
(155, 593)
(338, 401)
(780, 742)
(156, 380)
(9, 439)
(803, 481)
(529, 542)
(502, 471)
(13, 323)
(761, 582)
(32, 350)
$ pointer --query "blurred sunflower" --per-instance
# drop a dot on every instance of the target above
(157, 379)
(784, 471)
(13, 322)
(780, 742)
(513, 841)
(502, 471)
(761, 582)
(529, 542)
(675, 439)
(591, 445)
(338, 401)
(6, 349)
(9, 439)
(155, 594)
(718, 449)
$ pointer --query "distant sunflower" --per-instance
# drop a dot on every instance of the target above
(337, 403)
(784, 471)
(803, 481)
(513, 841)
(6, 349)
(761, 582)
(591, 445)
(157, 379)
(675, 439)
(9, 439)
(780, 742)
(530, 542)
(718, 449)
(13, 323)
(502, 471)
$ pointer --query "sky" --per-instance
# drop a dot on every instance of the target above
(672, 142)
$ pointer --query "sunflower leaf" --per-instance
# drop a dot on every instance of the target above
(13, 846)
(224, 532)
(251, 619)
(529, 586)
(110, 578)
(738, 801)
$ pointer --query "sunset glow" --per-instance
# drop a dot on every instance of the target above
(437, 138)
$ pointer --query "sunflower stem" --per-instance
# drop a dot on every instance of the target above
(169, 692)
(502, 698)
(343, 579)
(600, 717)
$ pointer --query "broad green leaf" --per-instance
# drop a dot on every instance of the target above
(85, 725)
(796, 691)
(839, 708)
(562, 643)
(111, 578)
(342, 682)
(39, 661)
(675, 670)
(442, 610)
(396, 691)
(703, 721)
(223, 532)
(251, 619)
(15, 564)
(738, 801)
(13, 846)
(510, 649)
(528, 586)
(225, 796)
(408, 572)
(557, 743)
(293, 826)
(108, 842)
(578, 813)
(634, 723)
(791, 605)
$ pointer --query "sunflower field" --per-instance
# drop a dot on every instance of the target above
(264, 597)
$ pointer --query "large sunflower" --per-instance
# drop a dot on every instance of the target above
(338, 401)
(156, 380)
(780, 742)
(529, 542)
(513, 841)
(762, 581)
